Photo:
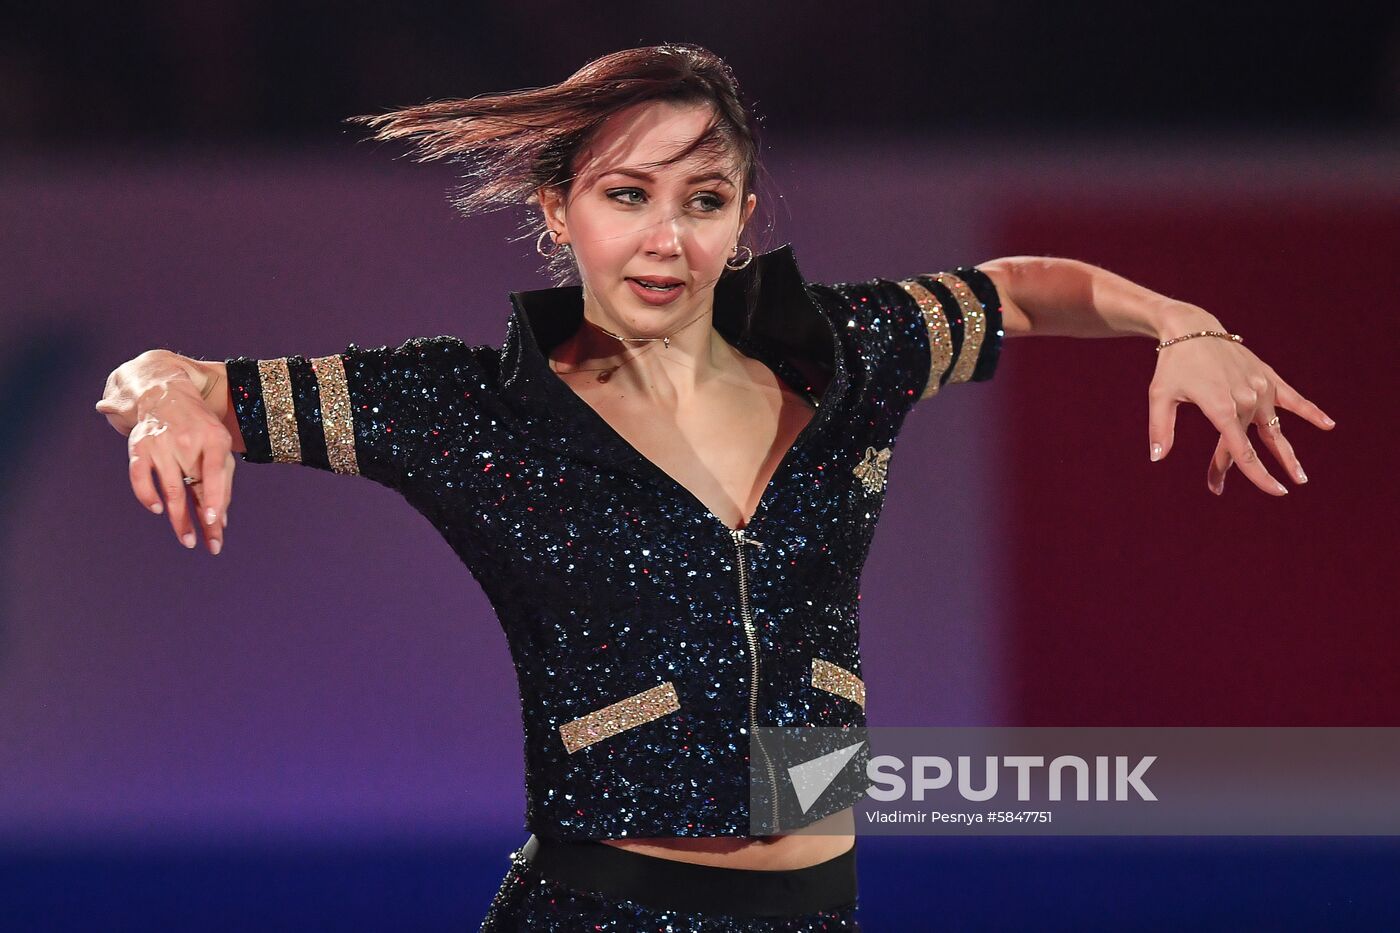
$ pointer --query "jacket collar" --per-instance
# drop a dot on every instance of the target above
(786, 323)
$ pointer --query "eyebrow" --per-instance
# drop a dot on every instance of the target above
(636, 173)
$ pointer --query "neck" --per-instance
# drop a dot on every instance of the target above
(682, 349)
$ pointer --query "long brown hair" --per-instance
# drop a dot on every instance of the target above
(516, 142)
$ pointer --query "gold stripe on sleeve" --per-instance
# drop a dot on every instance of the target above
(281, 413)
(834, 678)
(620, 716)
(337, 418)
(974, 326)
(940, 339)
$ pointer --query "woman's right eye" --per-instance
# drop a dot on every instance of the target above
(613, 194)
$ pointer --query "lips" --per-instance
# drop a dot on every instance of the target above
(655, 279)
(654, 295)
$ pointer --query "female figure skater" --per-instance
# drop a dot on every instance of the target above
(667, 478)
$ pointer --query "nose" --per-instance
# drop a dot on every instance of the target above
(662, 239)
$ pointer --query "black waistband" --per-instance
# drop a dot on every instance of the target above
(668, 884)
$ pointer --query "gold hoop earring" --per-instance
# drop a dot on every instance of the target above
(741, 265)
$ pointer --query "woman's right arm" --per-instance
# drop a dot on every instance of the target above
(178, 420)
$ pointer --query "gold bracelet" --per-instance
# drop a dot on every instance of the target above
(1200, 333)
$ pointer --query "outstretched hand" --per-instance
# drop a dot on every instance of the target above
(1234, 388)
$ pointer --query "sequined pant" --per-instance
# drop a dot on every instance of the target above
(527, 901)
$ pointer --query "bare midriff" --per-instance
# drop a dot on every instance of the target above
(819, 842)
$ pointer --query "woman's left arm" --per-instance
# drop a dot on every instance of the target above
(1048, 296)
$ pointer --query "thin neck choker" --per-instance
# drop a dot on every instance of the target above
(605, 372)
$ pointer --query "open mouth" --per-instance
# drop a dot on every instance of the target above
(654, 287)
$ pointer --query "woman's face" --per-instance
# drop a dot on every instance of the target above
(676, 223)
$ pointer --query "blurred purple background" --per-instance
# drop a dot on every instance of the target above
(336, 682)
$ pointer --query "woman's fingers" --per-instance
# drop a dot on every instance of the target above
(1272, 436)
(176, 441)
(211, 496)
(1161, 423)
(1251, 395)
(1220, 463)
(172, 486)
(138, 469)
(1234, 443)
(230, 463)
(1282, 450)
(1289, 398)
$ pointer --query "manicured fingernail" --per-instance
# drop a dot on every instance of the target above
(1328, 421)
(1156, 452)
(1302, 477)
(224, 519)
(1282, 490)
(187, 539)
(158, 508)
(210, 515)
(216, 546)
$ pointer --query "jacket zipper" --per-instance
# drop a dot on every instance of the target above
(740, 536)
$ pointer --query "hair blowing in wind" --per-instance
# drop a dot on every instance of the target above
(515, 142)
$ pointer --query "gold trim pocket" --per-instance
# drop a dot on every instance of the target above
(833, 678)
(620, 716)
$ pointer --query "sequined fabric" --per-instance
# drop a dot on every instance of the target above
(838, 680)
(620, 716)
(609, 579)
(529, 903)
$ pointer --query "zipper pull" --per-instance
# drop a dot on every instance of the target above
(741, 535)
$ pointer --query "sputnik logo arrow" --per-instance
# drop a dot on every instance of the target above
(811, 778)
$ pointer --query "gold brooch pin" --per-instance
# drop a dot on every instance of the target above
(872, 469)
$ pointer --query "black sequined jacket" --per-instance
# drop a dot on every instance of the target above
(648, 637)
